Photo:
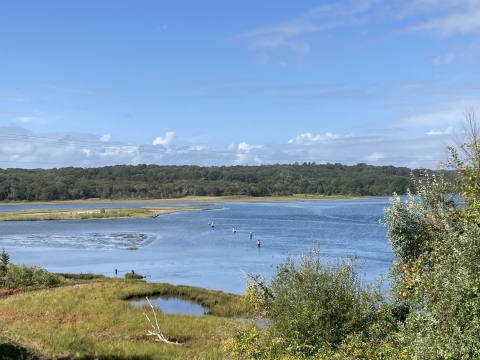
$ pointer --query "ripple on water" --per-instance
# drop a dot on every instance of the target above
(104, 241)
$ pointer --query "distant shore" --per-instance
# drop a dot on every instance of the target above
(96, 213)
(194, 199)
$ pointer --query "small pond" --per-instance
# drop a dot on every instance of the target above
(176, 305)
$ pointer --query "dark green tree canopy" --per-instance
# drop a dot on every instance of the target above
(162, 182)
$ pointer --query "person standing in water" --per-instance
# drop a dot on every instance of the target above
(251, 235)
(258, 242)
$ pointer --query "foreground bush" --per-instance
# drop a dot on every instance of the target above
(314, 307)
(23, 276)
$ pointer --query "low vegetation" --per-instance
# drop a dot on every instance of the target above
(89, 214)
(25, 276)
(96, 320)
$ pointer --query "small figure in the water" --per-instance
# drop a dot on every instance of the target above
(234, 231)
(213, 225)
(251, 236)
(258, 242)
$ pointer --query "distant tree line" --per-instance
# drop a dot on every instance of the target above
(164, 182)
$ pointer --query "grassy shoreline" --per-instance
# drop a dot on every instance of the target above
(96, 213)
(195, 199)
(96, 320)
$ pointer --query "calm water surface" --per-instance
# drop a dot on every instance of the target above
(182, 248)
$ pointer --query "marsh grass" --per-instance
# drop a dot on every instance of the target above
(97, 320)
(89, 214)
(81, 276)
(133, 276)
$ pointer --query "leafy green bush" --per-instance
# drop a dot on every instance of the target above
(313, 307)
(22, 276)
(437, 271)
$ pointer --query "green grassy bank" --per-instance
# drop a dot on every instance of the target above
(96, 320)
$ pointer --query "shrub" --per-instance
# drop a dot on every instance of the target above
(313, 306)
(4, 261)
(133, 276)
(22, 276)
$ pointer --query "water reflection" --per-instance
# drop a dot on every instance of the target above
(176, 305)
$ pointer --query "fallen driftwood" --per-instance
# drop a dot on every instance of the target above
(156, 329)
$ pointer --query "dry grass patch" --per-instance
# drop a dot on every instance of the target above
(100, 213)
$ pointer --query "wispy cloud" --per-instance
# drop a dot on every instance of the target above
(443, 59)
(26, 119)
(73, 89)
(447, 131)
(289, 33)
(308, 138)
(13, 99)
(446, 17)
(438, 17)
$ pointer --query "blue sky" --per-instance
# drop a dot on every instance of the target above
(92, 83)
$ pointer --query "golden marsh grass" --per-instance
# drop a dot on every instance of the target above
(100, 213)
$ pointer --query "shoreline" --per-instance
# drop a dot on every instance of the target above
(194, 199)
(95, 213)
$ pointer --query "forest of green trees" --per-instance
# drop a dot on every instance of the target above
(164, 182)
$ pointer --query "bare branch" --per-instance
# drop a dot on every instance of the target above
(156, 328)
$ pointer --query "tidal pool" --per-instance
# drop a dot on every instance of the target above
(177, 305)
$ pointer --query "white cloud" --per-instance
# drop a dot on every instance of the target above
(198, 148)
(166, 141)
(308, 138)
(443, 60)
(374, 157)
(247, 147)
(21, 148)
(442, 113)
(247, 159)
(232, 146)
(448, 131)
(105, 137)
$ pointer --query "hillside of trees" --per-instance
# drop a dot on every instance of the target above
(163, 182)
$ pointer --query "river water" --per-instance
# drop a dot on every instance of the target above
(182, 248)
